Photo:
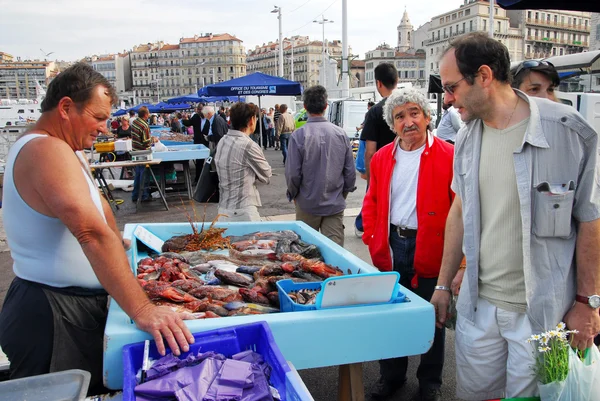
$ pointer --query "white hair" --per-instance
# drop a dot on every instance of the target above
(208, 110)
(400, 97)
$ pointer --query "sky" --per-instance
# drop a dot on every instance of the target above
(72, 29)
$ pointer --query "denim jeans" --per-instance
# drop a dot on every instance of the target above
(139, 170)
(284, 138)
(432, 362)
(271, 137)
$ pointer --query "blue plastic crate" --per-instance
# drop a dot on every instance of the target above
(286, 304)
(227, 341)
(294, 382)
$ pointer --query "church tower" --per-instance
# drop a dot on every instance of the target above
(404, 33)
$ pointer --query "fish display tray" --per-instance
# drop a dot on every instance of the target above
(229, 341)
(286, 304)
(68, 385)
(338, 329)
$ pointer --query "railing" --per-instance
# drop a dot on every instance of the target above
(563, 25)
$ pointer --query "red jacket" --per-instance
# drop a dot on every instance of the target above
(434, 198)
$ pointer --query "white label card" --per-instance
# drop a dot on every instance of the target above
(149, 239)
(361, 289)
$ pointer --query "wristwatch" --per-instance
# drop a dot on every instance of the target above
(593, 301)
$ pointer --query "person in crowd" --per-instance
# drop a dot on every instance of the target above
(67, 250)
(285, 126)
(362, 125)
(526, 213)
(222, 113)
(114, 125)
(404, 212)
(240, 163)
(264, 121)
(141, 140)
(217, 127)
(537, 78)
(198, 123)
(176, 123)
(131, 117)
(153, 119)
(320, 168)
(161, 120)
(271, 127)
(276, 115)
(124, 131)
(449, 124)
(375, 132)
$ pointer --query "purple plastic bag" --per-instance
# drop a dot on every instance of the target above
(170, 363)
(165, 387)
(254, 357)
(260, 391)
(236, 373)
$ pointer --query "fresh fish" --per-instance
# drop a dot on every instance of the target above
(253, 296)
(215, 292)
(173, 255)
(306, 275)
(223, 265)
(201, 268)
(273, 297)
(219, 310)
(248, 269)
(210, 277)
(273, 270)
(259, 308)
(233, 278)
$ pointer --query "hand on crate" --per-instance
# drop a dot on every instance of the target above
(161, 322)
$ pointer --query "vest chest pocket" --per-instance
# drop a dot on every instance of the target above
(553, 206)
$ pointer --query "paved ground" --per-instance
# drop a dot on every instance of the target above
(322, 383)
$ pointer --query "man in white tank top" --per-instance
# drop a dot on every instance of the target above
(65, 243)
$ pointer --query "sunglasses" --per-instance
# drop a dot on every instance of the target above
(450, 88)
(525, 65)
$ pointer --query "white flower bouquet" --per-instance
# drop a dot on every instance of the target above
(565, 374)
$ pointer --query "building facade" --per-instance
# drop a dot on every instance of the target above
(307, 59)
(595, 33)
(160, 71)
(549, 33)
(419, 36)
(410, 65)
(18, 78)
(472, 16)
(5, 57)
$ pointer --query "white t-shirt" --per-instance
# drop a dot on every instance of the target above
(403, 205)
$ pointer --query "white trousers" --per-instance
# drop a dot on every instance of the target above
(493, 357)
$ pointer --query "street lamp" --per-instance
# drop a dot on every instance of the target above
(322, 22)
(277, 10)
(157, 82)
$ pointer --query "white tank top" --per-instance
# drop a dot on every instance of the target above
(43, 249)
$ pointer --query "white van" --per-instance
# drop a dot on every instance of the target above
(347, 114)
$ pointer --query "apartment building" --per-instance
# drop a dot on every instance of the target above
(549, 33)
(595, 34)
(18, 78)
(410, 64)
(472, 16)
(161, 71)
(5, 57)
(307, 59)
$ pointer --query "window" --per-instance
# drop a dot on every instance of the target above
(561, 51)
(463, 30)
(484, 24)
(432, 51)
(450, 31)
(471, 26)
(442, 20)
(598, 32)
(460, 14)
(499, 26)
(454, 16)
(468, 11)
(528, 49)
(529, 14)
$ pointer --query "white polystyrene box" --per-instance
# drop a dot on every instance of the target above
(123, 145)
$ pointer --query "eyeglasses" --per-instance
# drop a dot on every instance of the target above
(525, 65)
(450, 88)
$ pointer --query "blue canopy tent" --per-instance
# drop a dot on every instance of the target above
(257, 84)
(137, 108)
(119, 112)
(204, 99)
(573, 5)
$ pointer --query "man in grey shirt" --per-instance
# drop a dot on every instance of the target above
(320, 169)
(527, 217)
(449, 125)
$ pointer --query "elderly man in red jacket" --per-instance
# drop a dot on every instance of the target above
(404, 214)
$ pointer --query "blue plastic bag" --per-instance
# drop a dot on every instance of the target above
(360, 157)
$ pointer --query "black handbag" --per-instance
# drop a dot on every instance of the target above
(207, 188)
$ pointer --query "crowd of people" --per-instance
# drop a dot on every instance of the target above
(501, 207)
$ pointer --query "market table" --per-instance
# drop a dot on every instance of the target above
(182, 153)
(97, 171)
(309, 339)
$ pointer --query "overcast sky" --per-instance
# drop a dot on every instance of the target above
(73, 29)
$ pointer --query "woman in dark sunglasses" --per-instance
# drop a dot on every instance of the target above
(536, 78)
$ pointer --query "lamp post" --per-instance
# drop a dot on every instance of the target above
(322, 22)
(157, 81)
(277, 10)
